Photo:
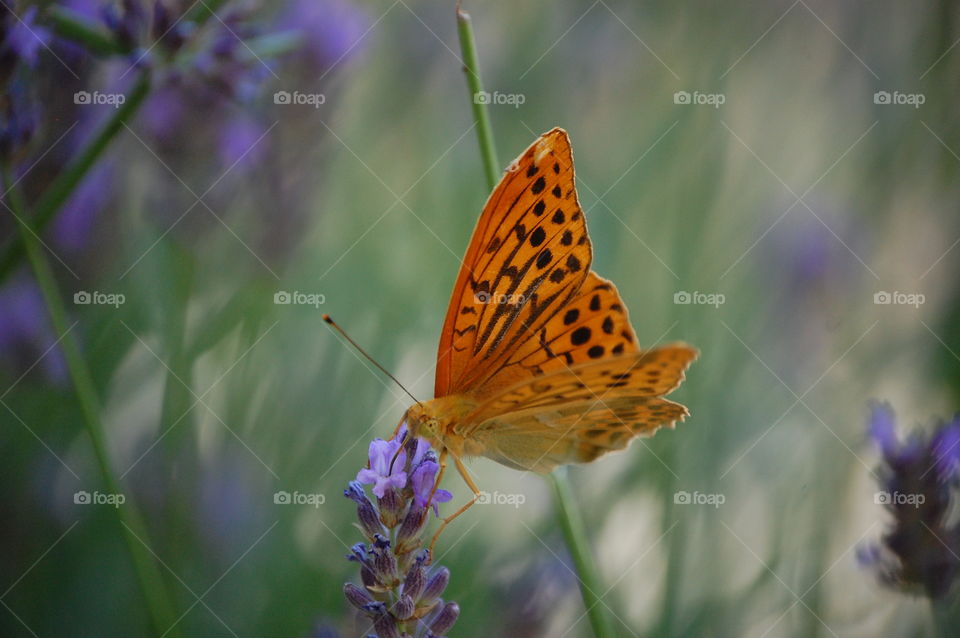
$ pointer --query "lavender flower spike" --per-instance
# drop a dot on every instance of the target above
(400, 595)
(920, 488)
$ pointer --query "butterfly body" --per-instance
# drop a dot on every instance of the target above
(439, 421)
(538, 363)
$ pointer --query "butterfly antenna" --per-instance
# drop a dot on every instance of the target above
(353, 343)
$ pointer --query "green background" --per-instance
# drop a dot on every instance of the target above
(678, 197)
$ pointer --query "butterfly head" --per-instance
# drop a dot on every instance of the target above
(424, 424)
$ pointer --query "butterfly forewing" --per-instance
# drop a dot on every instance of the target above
(593, 325)
(528, 258)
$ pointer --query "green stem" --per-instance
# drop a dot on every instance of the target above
(575, 533)
(65, 183)
(70, 25)
(133, 527)
(471, 68)
(574, 530)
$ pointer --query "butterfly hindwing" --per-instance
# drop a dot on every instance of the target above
(580, 412)
(528, 257)
(574, 433)
(650, 373)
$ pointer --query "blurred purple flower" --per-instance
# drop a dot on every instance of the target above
(75, 222)
(882, 429)
(330, 30)
(87, 8)
(25, 332)
(24, 37)
(240, 143)
(18, 118)
(919, 552)
(164, 110)
(386, 469)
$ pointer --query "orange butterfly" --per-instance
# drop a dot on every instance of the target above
(538, 364)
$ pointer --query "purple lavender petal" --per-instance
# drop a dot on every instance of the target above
(75, 222)
(422, 482)
(26, 38)
(882, 429)
(240, 144)
(367, 476)
(331, 30)
(25, 332)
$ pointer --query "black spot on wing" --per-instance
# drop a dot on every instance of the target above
(580, 336)
(537, 236)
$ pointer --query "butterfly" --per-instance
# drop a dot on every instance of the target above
(538, 365)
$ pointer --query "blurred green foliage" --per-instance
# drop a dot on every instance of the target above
(215, 398)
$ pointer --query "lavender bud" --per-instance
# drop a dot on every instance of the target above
(445, 619)
(357, 596)
(437, 583)
(369, 520)
(386, 626)
(415, 582)
(404, 608)
(385, 567)
(367, 576)
(410, 529)
(391, 508)
(358, 553)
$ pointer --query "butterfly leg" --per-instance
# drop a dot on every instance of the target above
(443, 468)
(473, 487)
